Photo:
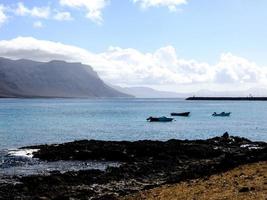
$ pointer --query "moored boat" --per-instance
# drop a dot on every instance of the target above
(222, 114)
(183, 114)
(159, 119)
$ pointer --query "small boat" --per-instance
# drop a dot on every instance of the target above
(183, 114)
(159, 119)
(222, 114)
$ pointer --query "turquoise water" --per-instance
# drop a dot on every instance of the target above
(37, 121)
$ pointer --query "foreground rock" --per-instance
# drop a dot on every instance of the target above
(144, 165)
(245, 182)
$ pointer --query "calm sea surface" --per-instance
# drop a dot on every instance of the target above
(37, 121)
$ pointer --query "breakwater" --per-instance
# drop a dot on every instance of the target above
(227, 98)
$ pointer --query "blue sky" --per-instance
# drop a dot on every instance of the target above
(199, 30)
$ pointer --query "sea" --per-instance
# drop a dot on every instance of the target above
(25, 122)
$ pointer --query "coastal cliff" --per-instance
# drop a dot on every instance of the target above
(28, 79)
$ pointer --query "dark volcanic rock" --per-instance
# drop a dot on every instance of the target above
(244, 189)
(144, 165)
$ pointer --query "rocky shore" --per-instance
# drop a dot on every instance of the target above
(143, 165)
(246, 182)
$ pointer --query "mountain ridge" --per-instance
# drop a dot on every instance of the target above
(54, 79)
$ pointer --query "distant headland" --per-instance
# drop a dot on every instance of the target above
(227, 98)
(54, 79)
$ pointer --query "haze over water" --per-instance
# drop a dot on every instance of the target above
(36, 121)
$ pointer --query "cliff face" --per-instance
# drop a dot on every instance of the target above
(26, 78)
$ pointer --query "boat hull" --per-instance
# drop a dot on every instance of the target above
(159, 119)
(221, 114)
(184, 114)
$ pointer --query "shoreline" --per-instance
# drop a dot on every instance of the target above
(143, 165)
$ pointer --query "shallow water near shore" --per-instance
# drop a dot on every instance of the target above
(20, 163)
(26, 122)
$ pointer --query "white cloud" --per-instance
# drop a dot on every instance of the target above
(234, 69)
(130, 67)
(39, 12)
(42, 50)
(63, 16)
(38, 24)
(3, 16)
(170, 4)
(93, 7)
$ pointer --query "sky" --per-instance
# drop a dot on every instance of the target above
(174, 45)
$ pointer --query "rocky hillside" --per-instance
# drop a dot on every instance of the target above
(26, 78)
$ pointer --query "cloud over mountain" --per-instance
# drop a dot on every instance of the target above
(130, 67)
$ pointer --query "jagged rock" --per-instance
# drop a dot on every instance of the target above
(244, 189)
(143, 164)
